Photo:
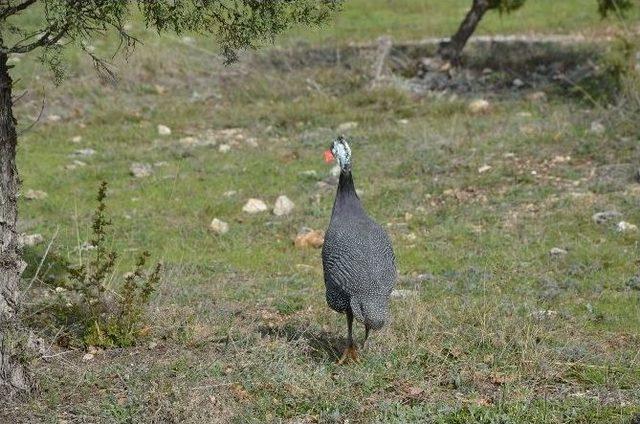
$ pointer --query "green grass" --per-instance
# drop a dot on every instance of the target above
(365, 20)
(240, 328)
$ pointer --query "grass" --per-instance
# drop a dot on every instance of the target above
(496, 329)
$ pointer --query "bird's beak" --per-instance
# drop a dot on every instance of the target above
(328, 156)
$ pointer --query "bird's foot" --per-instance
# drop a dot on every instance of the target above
(350, 354)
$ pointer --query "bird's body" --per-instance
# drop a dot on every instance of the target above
(357, 258)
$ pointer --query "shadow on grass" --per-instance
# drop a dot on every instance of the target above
(321, 346)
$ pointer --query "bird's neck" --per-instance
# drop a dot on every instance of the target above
(346, 197)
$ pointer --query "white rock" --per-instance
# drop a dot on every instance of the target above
(88, 356)
(544, 314)
(84, 152)
(537, 96)
(164, 130)
(518, 83)
(403, 121)
(76, 139)
(251, 142)
(229, 193)
(556, 251)
(346, 126)
(53, 118)
(402, 293)
(624, 227)
(218, 226)
(35, 195)
(597, 128)
(254, 206)
(602, 217)
(479, 106)
(189, 141)
(224, 148)
(484, 168)
(140, 170)
(30, 239)
(283, 206)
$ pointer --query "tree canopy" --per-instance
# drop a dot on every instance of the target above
(235, 24)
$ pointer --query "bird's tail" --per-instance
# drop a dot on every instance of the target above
(373, 312)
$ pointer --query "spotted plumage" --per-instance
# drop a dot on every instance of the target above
(357, 256)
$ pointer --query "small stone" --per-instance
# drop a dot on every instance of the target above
(634, 282)
(30, 240)
(402, 293)
(283, 206)
(84, 152)
(88, 356)
(53, 118)
(346, 126)
(479, 106)
(188, 40)
(224, 148)
(597, 128)
(403, 121)
(557, 252)
(229, 193)
(140, 170)
(189, 141)
(625, 227)
(335, 171)
(411, 237)
(160, 89)
(76, 139)
(524, 115)
(309, 238)
(254, 206)
(483, 169)
(602, 217)
(537, 96)
(152, 345)
(92, 350)
(60, 289)
(219, 227)
(35, 195)
(544, 314)
(518, 83)
(163, 130)
(251, 142)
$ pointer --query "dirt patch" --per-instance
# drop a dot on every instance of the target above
(500, 65)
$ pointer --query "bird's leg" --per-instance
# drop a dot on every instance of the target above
(350, 353)
(366, 336)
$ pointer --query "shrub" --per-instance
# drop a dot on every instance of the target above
(94, 314)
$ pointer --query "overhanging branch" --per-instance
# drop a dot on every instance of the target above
(12, 10)
(46, 40)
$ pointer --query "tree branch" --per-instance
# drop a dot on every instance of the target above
(9, 11)
(43, 41)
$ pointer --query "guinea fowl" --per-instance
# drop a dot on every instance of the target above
(357, 257)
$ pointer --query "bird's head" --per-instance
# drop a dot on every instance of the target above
(341, 152)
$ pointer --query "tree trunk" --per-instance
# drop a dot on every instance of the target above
(451, 50)
(13, 374)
